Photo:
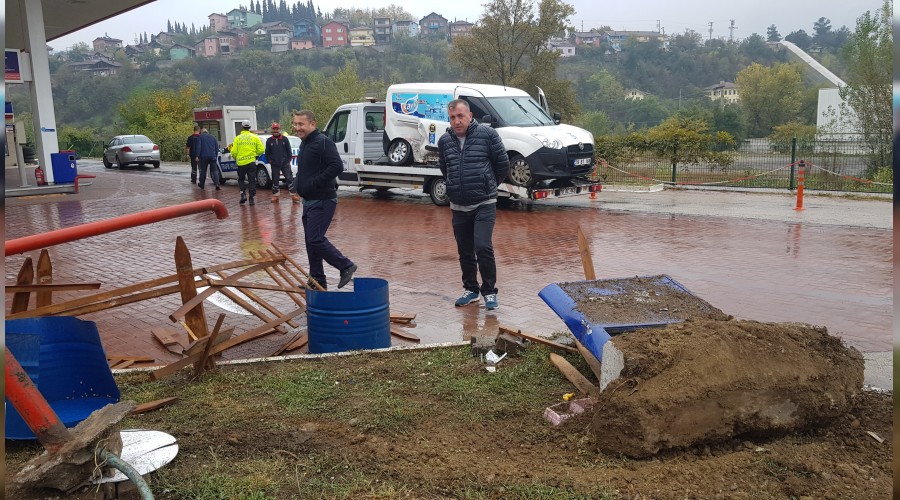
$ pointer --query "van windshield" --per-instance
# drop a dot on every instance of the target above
(520, 111)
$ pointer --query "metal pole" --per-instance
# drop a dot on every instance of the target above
(793, 161)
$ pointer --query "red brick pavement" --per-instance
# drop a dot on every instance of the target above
(836, 276)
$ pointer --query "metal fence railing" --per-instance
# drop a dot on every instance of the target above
(829, 165)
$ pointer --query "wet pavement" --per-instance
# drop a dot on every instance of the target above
(750, 255)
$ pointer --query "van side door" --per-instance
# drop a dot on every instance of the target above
(338, 130)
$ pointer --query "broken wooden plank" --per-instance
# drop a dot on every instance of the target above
(573, 375)
(398, 332)
(52, 287)
(196, 300)
(584, 249)
(44, 277)
(170, 338)
(297, 341)
(237, 299)
(25, 277)
(136, 359)
(299, 268)
(123, 363)
(402, 318)
(256, 332)
(539, 340)
(153, 405)
(205, 360)
(282, 271)
(588, 356)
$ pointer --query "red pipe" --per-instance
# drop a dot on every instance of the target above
(65, 235)
(33, 408)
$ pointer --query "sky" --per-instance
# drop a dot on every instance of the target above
(672, 16)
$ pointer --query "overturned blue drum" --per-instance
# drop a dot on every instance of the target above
(348, 321)
(65, 360)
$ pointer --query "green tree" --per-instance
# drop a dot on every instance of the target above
(323, 96)
(869, 56)
(688, 140)
(772, 34)
(166, 116)
(770, 96)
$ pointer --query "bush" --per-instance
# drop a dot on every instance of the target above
(81, 139)
(783, 135)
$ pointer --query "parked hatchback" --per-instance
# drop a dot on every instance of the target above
(130, 150)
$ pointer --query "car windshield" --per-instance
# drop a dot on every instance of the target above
(135, 139)
(520, 111)
(295, 141)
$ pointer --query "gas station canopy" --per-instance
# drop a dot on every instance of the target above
(62, 17)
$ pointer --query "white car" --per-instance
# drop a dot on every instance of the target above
(228, 169)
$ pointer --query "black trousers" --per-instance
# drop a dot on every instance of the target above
(474, 231)
(194, 165)
(247, 171)
(316, 218)
(277, 172)
(208, 162)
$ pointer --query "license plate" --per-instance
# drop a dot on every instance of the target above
(143, 157)
(582, 161)
(566, 191)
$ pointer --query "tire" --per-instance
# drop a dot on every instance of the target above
(263, 180)
(119, 163)
(400, 153)
(520, 172)
(438, 192)
(106, 162)
(155, 164)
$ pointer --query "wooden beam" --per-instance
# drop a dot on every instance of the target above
(198, 298)
(402, 318)
(153, 405)
(195, 317)
(585, 250)
(573, 375)
(588, 356)
(299, 268)
(282, 271)
(170, 338)
(25, 277)
(237, 299)
(205, 359)
(539, 340)
(398, 332)
(297, 341)
(52, 287)
(44, 277)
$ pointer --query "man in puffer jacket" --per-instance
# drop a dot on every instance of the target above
(473, 161)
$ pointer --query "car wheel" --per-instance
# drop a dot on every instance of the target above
(520, 172)
(438, 192)
(262, 178)
(106, 162)
(119, 163)
(155, 164)
(400, 153)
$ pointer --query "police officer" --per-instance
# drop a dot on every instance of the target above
(245, 149)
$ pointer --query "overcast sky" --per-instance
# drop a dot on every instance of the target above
(673, 16)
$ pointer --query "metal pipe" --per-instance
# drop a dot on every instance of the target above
(65, 235)
(129, 471)
(33, 407)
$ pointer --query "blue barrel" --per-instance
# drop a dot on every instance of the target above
(348, 321)
(64, 358)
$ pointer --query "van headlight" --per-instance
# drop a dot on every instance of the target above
(548, 142)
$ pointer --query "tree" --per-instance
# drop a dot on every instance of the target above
(507, 36)
(772, 34)
(800, 39)
(164, 115)
(869, 57)
(770, 96)
(688, 140)
(823, 33)
(323, 96)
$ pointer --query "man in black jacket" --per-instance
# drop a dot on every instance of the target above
(278, 154)
(473, 161)
(191, 146)
(318, 165)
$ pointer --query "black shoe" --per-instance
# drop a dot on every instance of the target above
(217, 188)
(200, 186)
(346, 275)
(309, 284)
(252, 201)
(243, 199)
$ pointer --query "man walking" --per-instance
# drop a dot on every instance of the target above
(278, 152)
(245, 149)
(318, 166)
(207, 152)
(473, 161)
(190, 149)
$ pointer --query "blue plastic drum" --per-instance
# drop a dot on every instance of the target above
(348, 321)
(64, 358)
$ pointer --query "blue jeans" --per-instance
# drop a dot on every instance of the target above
(317, 216)
(473, 231)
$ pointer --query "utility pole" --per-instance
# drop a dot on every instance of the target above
(731, 29)
(657, 26)
(710, 30)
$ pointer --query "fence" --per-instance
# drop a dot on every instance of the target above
(830, 164)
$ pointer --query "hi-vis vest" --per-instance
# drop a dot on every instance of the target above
(247, 146)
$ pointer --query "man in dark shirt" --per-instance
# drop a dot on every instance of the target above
(207, 152)
(190, 149)
(278, 154)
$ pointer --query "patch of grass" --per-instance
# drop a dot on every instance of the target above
(534, 491)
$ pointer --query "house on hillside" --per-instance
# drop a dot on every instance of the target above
(218, 22)
(243, 18)
(635, 95)
(336, 33)
(362, 36)
(223, 43)
(280, 38)
(307, 29)
(617, 38)
(406, 27)
(103, 43)
(301, 44)
(434, 26)
(723, 91)
(101, 67)
(564, 47)
(592, 38)
(178, 51)
(381, 30)
(164, 38)
(459, 28)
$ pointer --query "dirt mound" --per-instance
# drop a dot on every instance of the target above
(705, 381)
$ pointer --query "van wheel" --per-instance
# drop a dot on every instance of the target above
(520, 172)
(400, 153)
(438, 192)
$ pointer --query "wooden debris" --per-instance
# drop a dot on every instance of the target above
(402, 318)
(205, 361)
(875, 436)
(299, 268)
(573, 375)
(398, 332)
(20, 299)
(170, 338)
(44, 277)
(297, 341)
(51, 287)
(153, 405)
(585, 250)
(122, 363)
(588, 356)
(539, 340)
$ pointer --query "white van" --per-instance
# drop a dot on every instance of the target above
(539, 147)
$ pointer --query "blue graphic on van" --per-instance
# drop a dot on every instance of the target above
(429, 106)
